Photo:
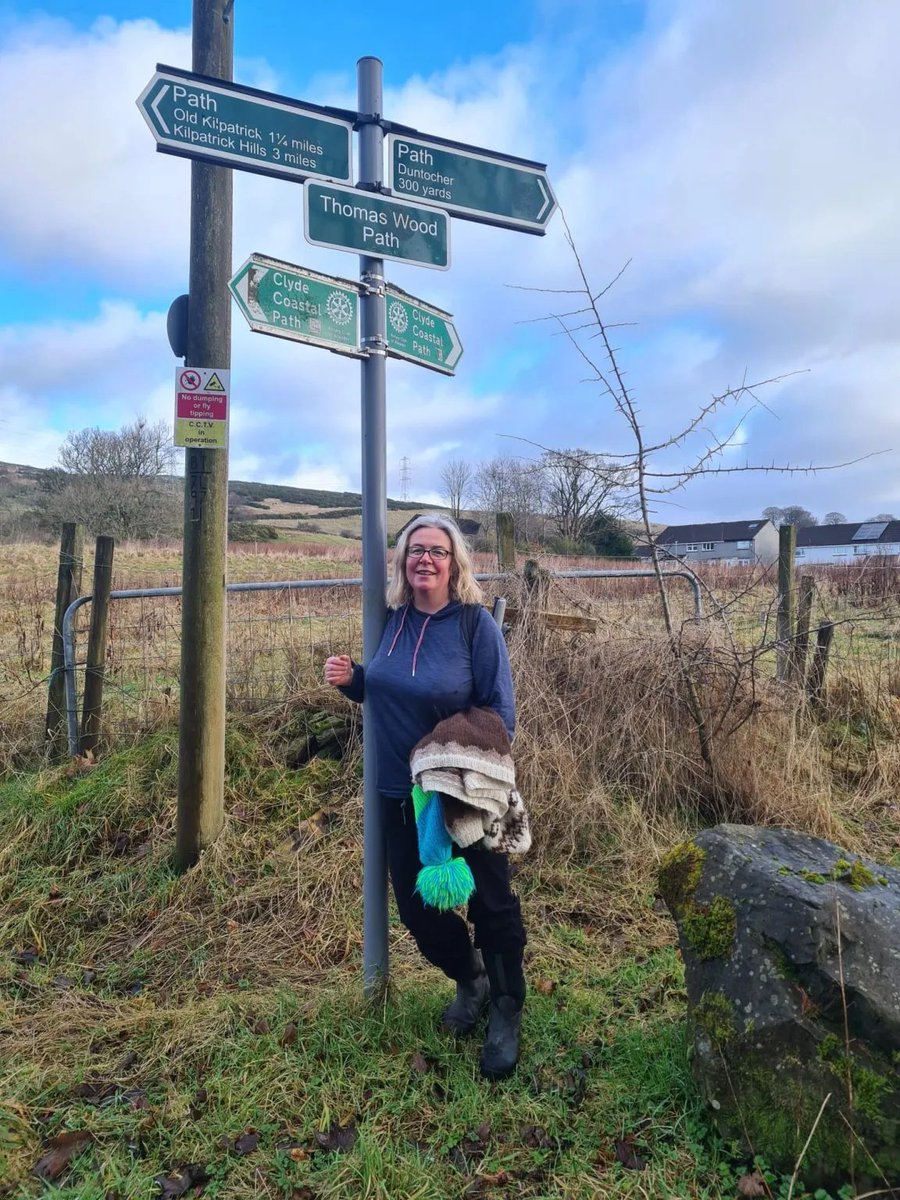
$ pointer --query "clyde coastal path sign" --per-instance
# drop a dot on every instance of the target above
(292, 302)
(472, 183)
(236, 126)
(364, 222)
(420, 333)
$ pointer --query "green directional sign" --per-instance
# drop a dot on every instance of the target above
(345, 218)
(420, 332)
(472, 183)
(291, 302)
(222, 122)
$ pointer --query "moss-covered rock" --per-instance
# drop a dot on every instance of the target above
(679, 874)
(780, 1020)
(710, 929)
(714, 1015)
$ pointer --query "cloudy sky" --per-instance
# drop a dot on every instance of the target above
(742, 158)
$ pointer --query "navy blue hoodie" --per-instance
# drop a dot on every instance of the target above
(423, 672)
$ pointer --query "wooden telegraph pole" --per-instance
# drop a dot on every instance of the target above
(201, 763)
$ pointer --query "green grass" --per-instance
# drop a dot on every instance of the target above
(169, 1016)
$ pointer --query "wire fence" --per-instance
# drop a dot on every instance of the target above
(279, 635)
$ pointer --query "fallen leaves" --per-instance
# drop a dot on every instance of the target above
(312, 830)
(419, 1063)
(337, 1137)
(192, 1175)
(60, 1152)
(627, 1154)
(245, 1143)
(751, 1186)
(289, 1036)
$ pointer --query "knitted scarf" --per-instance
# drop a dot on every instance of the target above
(467, 760)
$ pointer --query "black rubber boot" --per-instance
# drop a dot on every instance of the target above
(501, 1045)
(472, 996)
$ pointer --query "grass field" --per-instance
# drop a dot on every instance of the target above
(205, 1034)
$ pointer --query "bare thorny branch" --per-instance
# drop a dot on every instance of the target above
(649, 481)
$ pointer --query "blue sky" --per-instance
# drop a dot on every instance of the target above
(743, 158)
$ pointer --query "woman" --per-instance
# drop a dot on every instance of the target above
(439, 656)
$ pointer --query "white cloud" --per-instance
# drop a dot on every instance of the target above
(747, 162)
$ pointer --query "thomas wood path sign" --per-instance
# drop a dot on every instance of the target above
(473, 183)
(420, 332)
(236, 126)
(292, 302)
(345, 218)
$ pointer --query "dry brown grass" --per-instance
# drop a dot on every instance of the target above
(601, 716)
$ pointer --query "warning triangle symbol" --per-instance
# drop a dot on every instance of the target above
(214, 383)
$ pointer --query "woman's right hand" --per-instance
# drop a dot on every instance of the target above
(339, 670)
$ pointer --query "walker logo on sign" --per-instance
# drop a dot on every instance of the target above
(201, 408)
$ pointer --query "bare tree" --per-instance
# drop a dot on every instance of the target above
(792, 514)
(117, 482)
(456, 478)
(796, 514)
(590, 336)
(834, 518)
(579, 486)
(513, 485)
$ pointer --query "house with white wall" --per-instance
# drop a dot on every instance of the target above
(851, 542)
(731, 542)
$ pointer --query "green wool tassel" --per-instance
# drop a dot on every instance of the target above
(447, 884)
(444, 881)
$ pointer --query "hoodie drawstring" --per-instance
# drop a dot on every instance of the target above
(399, 630)
(419, 643)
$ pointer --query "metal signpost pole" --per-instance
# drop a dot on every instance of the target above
(201, 754)
(374, 526)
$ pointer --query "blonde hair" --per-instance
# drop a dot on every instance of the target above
(463, 585)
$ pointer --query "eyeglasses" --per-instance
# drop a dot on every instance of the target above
(437, 553)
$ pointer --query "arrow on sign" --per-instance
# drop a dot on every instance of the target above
(420, 333)
(472, 183)
(292, 302)
(222, 122)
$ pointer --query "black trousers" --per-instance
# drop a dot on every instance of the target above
(443, 937)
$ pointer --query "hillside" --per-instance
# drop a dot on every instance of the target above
(249, 502)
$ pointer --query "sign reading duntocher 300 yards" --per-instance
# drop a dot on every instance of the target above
(235, 126)
(472, 183)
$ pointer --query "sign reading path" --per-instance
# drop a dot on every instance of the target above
(292, 302)
(201, 407)
(472, 183)
(346, 218)
(420, 332)
(225, 123)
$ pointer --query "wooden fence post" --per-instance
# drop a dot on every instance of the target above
(784, 629)
(801, 638)
(815, 684)
(506, 542)
(92, 711)
(68, 588)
